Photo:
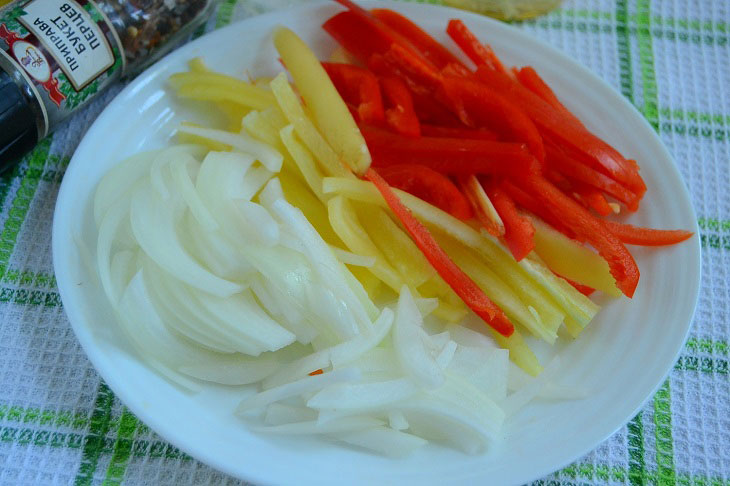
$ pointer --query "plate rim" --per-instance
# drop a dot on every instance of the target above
(86, 339)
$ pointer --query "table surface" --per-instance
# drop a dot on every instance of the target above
(60, 424)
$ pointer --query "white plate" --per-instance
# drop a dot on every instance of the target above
(622, 358)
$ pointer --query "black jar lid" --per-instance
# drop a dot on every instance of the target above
(18, 130)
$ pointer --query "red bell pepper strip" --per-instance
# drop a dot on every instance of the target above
(359, 87)
(412, 67)
(474, 50)
(636, 235)
(594, 199)
(430, 186)
(518, 230)
(528, 77)
(594, 150)
(457, 70)
(588, 196)
(427, 108)
(382, 30)
(620, 262)
(575, 170)
(428, 130)
(427, 45)
(350, 31)
(583, 289)
(400, 114)
(454, 276)
(488, 108)
(529, 203)
(448, 155)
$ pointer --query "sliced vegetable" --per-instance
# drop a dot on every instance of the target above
(328, 110)
(518, 231)
(429, 130)
(430, 186)
(294, 112)
(573, 260)
(593, 150)
(479, 53)
(395, 244)
(483, 208)
(399, 114)
(449, 156)
(450, 272)
(578, 219)
(427, 45)
(529, 78)
(360, 87)
(344, 221)
(487, 107)
(636, 235)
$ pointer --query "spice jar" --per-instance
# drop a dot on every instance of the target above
(55, 55)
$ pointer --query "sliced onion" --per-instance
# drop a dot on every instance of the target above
(461, 394)
(155, 344)
(351, 350)
(397, 421)
(153, 224)
(383, 440)
(234, 369)
(299, 369)
(325, 263)
(221, 183)
(241, 315)
(409, 347)
(256, 178)
(299, 387)
(123, 268)
(279, 414)
(345, 424)
(119, 180)
(109, 226)
(484, 368)
(515, 401)
(426, 305)
(349, 258)
(185, 187)
(278, 308)
(363, 396)
(269, 157)
(192, 319)
(441, 422)
(216, 252)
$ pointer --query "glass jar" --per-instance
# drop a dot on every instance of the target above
(56, 55)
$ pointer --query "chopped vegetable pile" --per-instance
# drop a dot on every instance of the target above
(328, 243)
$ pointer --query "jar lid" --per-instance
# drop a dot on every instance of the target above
(18, 131)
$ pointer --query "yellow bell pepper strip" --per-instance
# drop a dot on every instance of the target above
(622, 265)
(465, 287)
(330, 113)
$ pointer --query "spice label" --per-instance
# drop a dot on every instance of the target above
(67, 49)
(33, 60)
(74, 39)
